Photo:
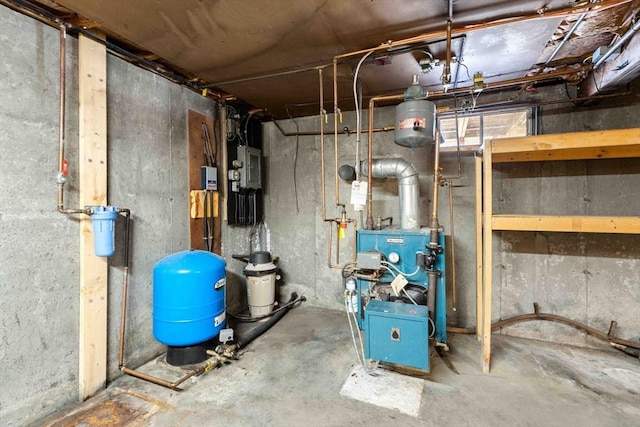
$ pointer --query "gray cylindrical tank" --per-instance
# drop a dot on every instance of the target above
(415, 123)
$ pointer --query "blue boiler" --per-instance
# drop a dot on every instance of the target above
(395, 331)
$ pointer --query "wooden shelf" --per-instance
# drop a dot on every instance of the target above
(567, 224)
(609, 144)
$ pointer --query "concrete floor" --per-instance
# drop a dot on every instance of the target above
(292, 376)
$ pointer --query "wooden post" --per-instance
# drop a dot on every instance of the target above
(479, 246)
(487, 258)
(92, 76)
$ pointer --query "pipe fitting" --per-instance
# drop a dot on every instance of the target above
(61, 179)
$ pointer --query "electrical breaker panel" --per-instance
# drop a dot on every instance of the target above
(251, 170)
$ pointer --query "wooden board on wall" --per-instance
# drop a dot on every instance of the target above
(92, 80)
(196, 160)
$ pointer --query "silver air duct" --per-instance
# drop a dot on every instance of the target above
(408, 191)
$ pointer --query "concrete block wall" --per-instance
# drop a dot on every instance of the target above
(39, 248)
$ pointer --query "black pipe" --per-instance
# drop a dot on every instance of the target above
(127, 230)
(264, 327)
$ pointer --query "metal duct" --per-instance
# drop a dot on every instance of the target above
(408, 191)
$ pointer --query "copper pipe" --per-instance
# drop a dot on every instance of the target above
(372, 101)
(335, 136)
(321, 132)
(61, 120)
(61, 177)
(322, 167)
(515, 81)
(433, 224)
(123, 315)
(159, 381)
(330, 264)
(125, 285)
(539, 103)
(338, 242)
(446, 71)
(330, 243)
(453, 247)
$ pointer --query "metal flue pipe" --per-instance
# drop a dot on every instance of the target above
(408, 188)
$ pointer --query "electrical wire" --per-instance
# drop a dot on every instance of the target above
(466, 68)
(359, 353)
(353, 335)
(409, 296)
(433, 327)
(417, 270)
(365, 366)
(384, 267)
(231, 117)
(358, 112)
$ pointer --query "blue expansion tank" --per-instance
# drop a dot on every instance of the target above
(188, 298)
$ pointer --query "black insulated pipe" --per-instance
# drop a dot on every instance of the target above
(265, 326)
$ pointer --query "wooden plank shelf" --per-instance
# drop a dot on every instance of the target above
(567, 224)
(610, 144)
(606, 144)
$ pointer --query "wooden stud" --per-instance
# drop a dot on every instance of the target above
(92, 80)
(487, 258)
(479, 274)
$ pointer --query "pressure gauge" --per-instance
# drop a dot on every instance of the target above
(393, 257)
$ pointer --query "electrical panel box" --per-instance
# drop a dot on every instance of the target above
(397, 333)
(209, 178)
(244, 183)
(250, 171)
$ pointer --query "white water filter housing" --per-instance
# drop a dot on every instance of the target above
(261, 283)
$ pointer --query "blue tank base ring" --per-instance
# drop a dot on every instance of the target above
(181, 356)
